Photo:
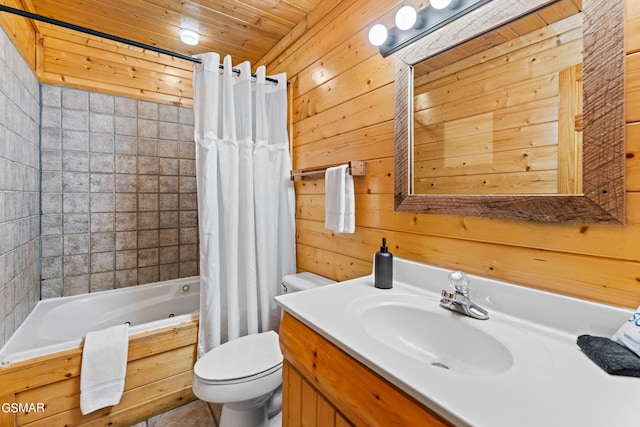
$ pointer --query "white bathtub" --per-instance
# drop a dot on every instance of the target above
(58, 324)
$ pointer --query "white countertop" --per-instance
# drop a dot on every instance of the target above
(550, 382)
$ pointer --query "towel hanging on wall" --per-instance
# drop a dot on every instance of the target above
(339, 200)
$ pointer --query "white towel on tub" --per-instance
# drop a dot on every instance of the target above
(104, 365)
(339, 200)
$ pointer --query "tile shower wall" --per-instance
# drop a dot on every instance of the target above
(19, 189)
(118, 192)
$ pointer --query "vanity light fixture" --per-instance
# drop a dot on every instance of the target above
(406, 17)
(412, 25)
(441, 4)
(189, 37)
(378, 34)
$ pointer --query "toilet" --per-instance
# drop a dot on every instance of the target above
(245, 374)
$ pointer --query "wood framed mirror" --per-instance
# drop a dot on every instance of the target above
(587, 185)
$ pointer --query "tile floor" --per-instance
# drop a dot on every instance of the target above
(194, 414)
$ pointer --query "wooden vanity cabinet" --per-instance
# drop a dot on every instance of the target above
(323, 386)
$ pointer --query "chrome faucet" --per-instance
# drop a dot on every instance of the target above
(459, 300)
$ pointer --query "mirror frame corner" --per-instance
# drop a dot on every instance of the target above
(602, 200)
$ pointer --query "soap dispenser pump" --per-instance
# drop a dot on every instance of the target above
(383, 267)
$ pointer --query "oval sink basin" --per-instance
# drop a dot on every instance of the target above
(443, 340)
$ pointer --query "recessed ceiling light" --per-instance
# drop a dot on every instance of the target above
(189, 37)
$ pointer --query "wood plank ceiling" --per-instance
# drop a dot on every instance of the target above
(245, 29)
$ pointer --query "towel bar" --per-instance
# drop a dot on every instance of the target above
(356, 168)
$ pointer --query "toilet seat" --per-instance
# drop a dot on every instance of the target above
(241, 360)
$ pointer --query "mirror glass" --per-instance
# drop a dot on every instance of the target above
(499, 113)
(515, 110)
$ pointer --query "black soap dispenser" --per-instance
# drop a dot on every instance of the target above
(383, 267)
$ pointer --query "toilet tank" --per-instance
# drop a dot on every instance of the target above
(303, 281)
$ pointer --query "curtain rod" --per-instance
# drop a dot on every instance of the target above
(86, 30)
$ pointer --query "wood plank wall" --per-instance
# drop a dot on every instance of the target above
(158, 378)
(21, 32)
(342, 109)
(63, 57)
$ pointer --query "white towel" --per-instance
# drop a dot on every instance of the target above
(339, 200)
(104, 365)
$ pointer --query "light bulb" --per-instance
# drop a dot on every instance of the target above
(377, 34)
(189, 37)
(406, 17)
(440, 4)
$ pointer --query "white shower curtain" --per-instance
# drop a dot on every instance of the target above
(246, 205)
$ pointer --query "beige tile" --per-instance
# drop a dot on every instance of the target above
(101, 162)
(102, 242)
(148, 274)
(75, 285)
(103, 261)
(188, 235)
(126, 260)
(126, 240)
(188, 201)
(169, 254)
(147, 239)
(75, 223)
(188, 218)
(102, 222)
(126, 144)
(102, 281)
(75, 244)
(148, 183)
(147, 220)
(148, 202)
(187, 167)
(169, 271)
(102, 202)
(167, 148)
(126, 202)
(126, 164)
(194, 414)
(102, 183)
(187, 150)
(147, 257)
(168, 202)
(126, 221)
(126, 278)
(187, 184)
(188, 253)
(126, 183)
(169, 237)
(169, 219)
(147, 147)
(148, 165)
(75, 265)
(168, 166)
(189, 268)
(169, 184)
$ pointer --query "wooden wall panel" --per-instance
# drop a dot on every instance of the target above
(597, 262)
(158, 378)
(88, 62)
(342, 95)
(21, 32)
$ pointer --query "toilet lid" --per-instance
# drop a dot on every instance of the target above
(239, 358)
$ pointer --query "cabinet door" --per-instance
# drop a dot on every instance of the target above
(303, 405)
